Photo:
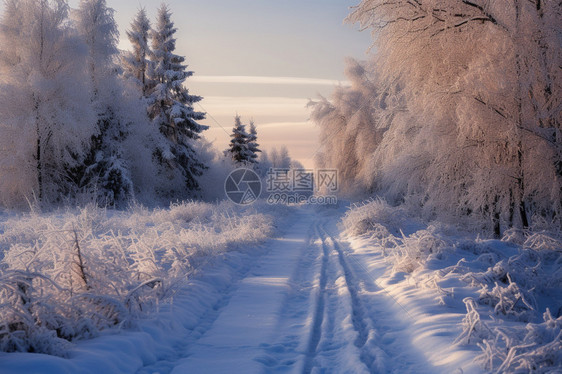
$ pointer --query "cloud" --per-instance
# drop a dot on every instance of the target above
(243, 79)
(255, 106)
(283, 125)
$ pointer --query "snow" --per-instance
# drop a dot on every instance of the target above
(251, 314)
(432, 328)
(502, 297)
(322, 294)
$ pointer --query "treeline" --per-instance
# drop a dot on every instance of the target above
(81, 120)
(458, 112)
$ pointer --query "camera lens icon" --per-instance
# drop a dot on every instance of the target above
(243, 186)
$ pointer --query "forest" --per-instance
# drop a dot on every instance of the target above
(457, 114)
(83, 122)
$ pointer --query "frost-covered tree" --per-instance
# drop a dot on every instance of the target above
(351, 127)
(465, 116)
(483, 90)
(97, 27)
(238, 148)
(252, 143)
(136, 62)
(279, 158)
(105, 168)
(171, 109)
(46, 120)
(276, 158)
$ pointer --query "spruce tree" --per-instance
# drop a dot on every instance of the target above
(252, 144)
(238, 149)
(171, 106)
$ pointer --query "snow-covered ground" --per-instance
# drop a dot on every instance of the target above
(505, 295)
(380, 293)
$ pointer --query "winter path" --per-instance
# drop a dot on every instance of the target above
(307, 306)
(308, 302)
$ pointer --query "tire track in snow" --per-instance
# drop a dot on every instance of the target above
(378, 353)
(338, 331)
(287, 350)
(358, 314)
(318, 316)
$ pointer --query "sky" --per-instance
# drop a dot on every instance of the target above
(261, 59)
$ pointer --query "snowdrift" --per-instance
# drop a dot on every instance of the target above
(509, 290)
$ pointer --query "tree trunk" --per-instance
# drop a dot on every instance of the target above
(38, 158)
(520, 193)
(496, 218)
(511, 208)
(39, 170)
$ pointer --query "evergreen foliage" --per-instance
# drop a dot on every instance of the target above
(77, 127)
(243, 148)
(104, 170)
(253, 146)
(171, 108)
(238, 149)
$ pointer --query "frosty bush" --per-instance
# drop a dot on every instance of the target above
(473, 327)
(383, 224)
(536, 349)
(515, 312)
(414, 250)
(510, 300)
(69, 275)
(29, 321)
(369, 216)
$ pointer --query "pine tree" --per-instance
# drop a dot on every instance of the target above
(171, 106)
(252, 144)
(238, 149)
(136, 62)
(104, 169)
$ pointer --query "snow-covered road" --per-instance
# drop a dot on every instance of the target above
(306, 306)
(308, 301)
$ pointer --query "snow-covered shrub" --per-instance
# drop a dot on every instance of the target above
(29, 320)
(536, 240)
(68, 275)
(474, 329)
(512, 285)
(509, 286)
(510, 300)
(373, 216)
(414, 250)
(385, 224)
(535, 349)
